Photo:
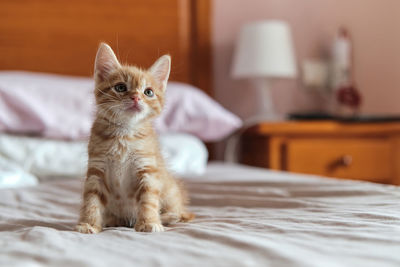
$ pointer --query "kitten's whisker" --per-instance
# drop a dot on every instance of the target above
(106, 94)
(107, 109)
(114, 113)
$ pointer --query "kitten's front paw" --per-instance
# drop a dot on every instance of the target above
(86, 228)
(149, 227)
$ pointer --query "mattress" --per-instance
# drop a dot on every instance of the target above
(245, 217)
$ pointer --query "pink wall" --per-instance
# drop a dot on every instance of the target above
(374, 25)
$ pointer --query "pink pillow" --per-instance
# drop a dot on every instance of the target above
(49, 105)
(62, 107)
(189, 110)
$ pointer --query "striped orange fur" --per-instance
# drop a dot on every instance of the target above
(127, 182)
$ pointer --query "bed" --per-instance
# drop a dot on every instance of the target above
(245, 216)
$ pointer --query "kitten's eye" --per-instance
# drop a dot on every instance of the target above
(149, 92)
(120, 87)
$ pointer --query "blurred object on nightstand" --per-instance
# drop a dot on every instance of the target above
(347, 97)
(361, 151)
(349, 100)
(315, 74)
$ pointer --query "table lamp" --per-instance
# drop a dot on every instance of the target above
(264, 52)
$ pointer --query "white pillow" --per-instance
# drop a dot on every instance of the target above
(185, 154)
(45, 158)
(49, 159)
(11, 175)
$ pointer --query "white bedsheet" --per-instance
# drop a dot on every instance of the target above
(245, 217)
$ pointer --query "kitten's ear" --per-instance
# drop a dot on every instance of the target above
(106, 62)
(161, 69)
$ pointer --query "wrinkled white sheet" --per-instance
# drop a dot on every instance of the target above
(245, 217)
(48, 159)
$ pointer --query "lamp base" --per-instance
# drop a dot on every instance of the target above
(266, 109)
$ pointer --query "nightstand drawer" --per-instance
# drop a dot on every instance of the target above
(362, 159)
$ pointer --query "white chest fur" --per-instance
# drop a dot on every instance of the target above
(121, 177)
(123, 161)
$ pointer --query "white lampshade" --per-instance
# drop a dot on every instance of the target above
(264, 49)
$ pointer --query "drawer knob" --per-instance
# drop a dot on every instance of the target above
(346, 160)
(343, 161)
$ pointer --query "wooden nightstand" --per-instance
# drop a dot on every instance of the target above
(362, 151)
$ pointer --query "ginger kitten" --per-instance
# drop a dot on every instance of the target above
(127, 183)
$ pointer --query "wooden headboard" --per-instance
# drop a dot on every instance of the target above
(62, 36)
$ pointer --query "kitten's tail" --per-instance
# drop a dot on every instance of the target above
(168, 218)
(187, 216)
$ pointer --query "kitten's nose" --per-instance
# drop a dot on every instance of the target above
(135, 98)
